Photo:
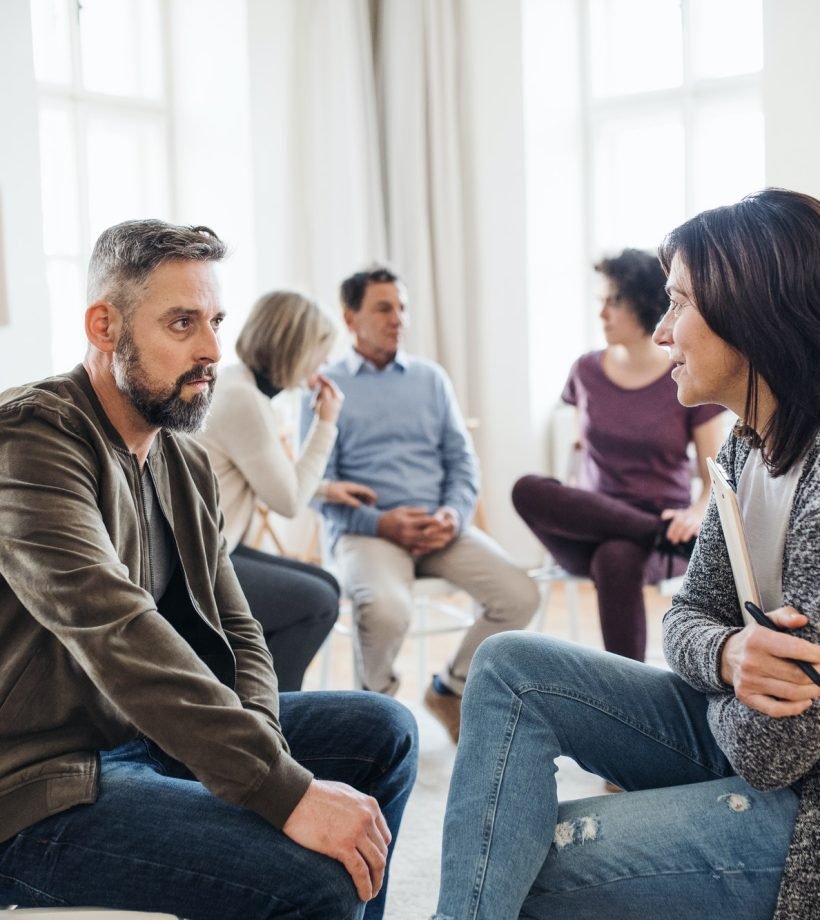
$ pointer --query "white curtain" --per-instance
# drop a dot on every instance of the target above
(366, 136)
(393, 129)
(316, 148)
(418, 64)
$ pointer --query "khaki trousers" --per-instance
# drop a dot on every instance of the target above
(378, 575)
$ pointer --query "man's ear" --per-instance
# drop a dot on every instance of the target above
(103, 322)
(349, 317)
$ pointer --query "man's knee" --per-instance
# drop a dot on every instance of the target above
(328, 892)
(382, 612)
(395, 726)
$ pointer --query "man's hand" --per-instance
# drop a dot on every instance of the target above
(338, 821)
(354, 494)
(755, 662)
(439, 532)
(404, 525)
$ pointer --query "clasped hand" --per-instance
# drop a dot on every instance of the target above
(755, 661)
(418, 531)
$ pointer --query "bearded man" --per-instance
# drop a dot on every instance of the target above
(143, 754)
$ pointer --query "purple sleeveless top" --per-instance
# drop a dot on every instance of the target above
(634, 441)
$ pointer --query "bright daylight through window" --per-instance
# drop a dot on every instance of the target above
(104, 128)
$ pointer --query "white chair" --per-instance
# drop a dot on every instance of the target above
(434, 614)
(545, 577)
(565, 458)
(548, 574)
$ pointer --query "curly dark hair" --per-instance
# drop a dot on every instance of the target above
(639, 280)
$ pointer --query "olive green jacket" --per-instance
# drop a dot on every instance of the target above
(88, 660)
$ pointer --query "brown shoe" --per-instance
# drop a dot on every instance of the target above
(446, 707)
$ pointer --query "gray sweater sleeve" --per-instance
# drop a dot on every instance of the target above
(767, 752)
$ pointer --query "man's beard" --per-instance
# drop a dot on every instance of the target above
(161, 408)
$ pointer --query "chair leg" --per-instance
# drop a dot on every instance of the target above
(571, 589)
(326, 653)
(544, 590)
(422, 607)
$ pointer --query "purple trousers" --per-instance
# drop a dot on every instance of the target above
(607, 539)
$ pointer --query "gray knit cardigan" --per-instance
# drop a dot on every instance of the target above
(768, 753)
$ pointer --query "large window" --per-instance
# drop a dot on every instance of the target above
(673, 112)
(639, 114)
(101, 68)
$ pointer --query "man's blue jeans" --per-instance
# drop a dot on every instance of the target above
(693, 841)
(156, 839)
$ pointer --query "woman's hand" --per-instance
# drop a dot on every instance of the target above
(348, 493)
(684, 523)
(327, 403)
(755, 661)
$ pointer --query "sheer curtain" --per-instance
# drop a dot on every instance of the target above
(361, 152)
(418, 66)
(393, 129)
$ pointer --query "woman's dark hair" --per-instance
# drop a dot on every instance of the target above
(754, 270)
(640, 281)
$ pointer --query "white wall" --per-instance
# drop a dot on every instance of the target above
(497, 253)
(558, 290)
(233, 152)
(211, 146)
(25, 351)
(791, 94)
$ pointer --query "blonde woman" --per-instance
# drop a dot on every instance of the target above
(284, 341)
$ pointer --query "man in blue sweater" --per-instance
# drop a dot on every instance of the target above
(401, 433)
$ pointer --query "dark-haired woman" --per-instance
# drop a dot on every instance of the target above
(722, 753)
(631, 520)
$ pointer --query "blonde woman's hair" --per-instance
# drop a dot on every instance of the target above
(282, 335)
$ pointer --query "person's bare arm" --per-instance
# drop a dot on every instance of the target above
(684, 523)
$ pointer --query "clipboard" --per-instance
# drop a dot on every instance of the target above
(732, 524)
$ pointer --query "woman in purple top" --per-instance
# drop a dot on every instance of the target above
(631, 520)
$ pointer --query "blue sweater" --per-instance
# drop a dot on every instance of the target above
(401, 433)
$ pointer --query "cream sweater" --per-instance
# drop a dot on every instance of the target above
(246, 450)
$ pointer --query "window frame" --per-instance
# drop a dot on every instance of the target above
(83, 106)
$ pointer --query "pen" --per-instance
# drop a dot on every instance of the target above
(760, 618)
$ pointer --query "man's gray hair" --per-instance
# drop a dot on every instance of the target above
(125, 255)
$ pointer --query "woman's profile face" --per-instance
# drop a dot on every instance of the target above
(707, 369)
(620, 324)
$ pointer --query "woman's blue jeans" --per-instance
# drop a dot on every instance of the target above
(692, 840)
(158, 840)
